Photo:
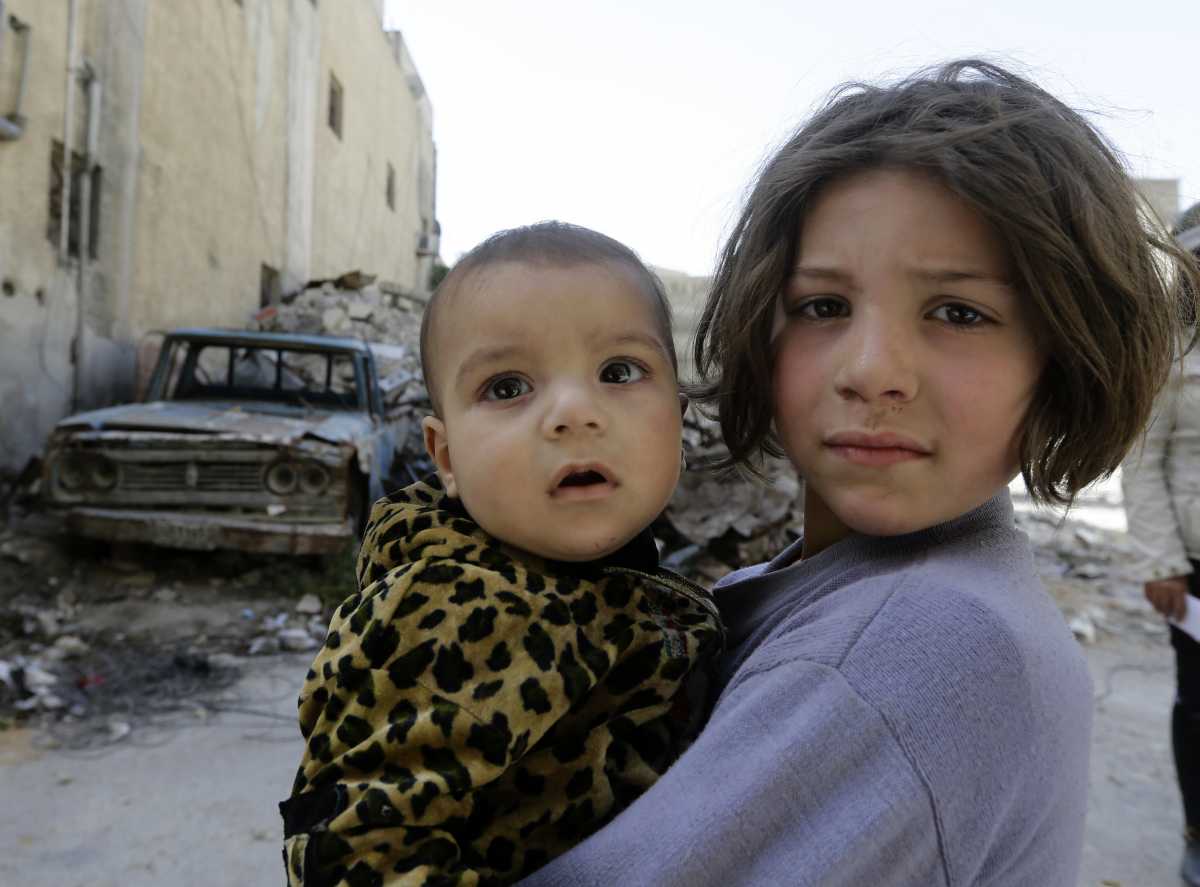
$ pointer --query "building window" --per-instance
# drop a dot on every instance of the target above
(74, 230)
(335, 105)
(269, 289)
(390, 193)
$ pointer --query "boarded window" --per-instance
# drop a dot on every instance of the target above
(335, 105)
(54, 222)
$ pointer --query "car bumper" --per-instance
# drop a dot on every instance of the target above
(207, 532)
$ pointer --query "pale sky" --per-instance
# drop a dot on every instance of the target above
(646, 120)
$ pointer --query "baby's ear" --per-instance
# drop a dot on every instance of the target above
(438, 448)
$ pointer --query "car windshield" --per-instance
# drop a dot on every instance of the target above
(208, 371)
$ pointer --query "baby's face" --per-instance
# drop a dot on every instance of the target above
(561, 422)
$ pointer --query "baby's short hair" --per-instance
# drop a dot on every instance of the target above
(1107, 289)
(549, 244)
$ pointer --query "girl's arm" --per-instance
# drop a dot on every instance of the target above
(796, 780)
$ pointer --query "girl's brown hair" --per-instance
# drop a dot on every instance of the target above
(1108, 289)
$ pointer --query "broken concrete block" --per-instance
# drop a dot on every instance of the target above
(69, 647)
(297, 639)
(263, 645)
(309, 604)
(1084, 629)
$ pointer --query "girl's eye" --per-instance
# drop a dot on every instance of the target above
(506, 388)
(621, 372)
(957, 314)
(821, 308)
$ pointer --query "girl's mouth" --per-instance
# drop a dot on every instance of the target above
(876, 456)
(876, 449)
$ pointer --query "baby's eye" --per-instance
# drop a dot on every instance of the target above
(820, 308)
(621, 372)
(506, 388)
(957, 314)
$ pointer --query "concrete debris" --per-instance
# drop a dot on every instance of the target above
(47, 622)
(225, 660)
(354, 305)
(27, 686)
(141, 579)
(276, 622)
(24, 550)
(309, 604)
(367, 312)
(297, 639)
(69, 647)
(264, 645)
(11, 551)
(1084, 629)
(118, 730)
(708, 506)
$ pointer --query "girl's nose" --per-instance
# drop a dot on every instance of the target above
(878, 363)
(572, 410)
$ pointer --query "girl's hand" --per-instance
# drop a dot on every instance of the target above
(1169, 596)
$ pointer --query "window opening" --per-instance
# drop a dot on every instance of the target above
(335, 105)
(269, 288)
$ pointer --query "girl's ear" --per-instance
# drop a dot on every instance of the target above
(438, 448)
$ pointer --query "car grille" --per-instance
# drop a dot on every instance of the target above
(232, 477)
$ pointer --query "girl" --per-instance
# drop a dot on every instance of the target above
(933, 286)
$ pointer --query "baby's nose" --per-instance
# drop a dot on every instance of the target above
(573, 409)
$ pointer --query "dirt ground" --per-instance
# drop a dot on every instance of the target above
(182, 791)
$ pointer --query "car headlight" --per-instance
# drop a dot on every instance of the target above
(72, 472)
(282, 478)
(102, 473)
(313, 478)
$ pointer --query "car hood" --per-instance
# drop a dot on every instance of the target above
(261, 423)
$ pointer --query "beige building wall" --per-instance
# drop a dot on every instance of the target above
(687, 295)
(212, 170)
(382, 106)
(37, 295)
(215, 161)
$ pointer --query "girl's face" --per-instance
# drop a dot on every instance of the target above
(905, 360)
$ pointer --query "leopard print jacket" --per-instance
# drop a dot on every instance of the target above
(476, 711)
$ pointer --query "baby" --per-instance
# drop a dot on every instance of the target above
(515, 667)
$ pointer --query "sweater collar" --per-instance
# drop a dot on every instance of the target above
(995, 512)
(778, 584)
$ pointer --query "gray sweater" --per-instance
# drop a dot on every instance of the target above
(896, 711)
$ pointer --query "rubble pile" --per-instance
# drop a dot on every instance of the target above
(352, 305)
(99, 645)
(1082, 565)
(726, 519)
(386, 315)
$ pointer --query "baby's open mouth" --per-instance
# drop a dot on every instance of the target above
(583, 479)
